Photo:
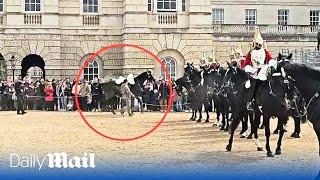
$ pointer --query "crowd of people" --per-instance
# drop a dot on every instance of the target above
(58, 95)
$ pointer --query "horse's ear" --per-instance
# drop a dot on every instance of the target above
(228, 64)
(290, 56)
(188, 64)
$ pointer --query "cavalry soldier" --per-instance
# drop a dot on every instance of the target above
(126, 97)
(204, 65)
(257, 58)
(257, 63)
(20, 94)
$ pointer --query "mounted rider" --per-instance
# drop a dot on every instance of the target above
(213, 63)
(256, 63)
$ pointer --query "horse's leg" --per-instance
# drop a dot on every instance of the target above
(207, 108)
(233, 127)
(251, 119)
(255, 127)
(282, 121)
(227, 120)
(266, 122)
(223, 122)
(297, 128)
(244, 122)
(200, 113)
(276, 131)
(192, 117)
(141, 103)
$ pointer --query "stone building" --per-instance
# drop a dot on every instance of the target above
(55, 37)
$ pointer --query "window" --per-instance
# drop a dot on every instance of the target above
(90, 6)
(32, 5)
(167, 5)
(251, 17)
(283, 15)
(314, 17)
(1, 5)
(183, 5)
(91, 71)
(217, 16)
(171, 66)
(149, 5)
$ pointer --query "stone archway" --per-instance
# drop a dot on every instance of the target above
(32, 60)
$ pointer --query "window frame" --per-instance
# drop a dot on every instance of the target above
(3, 6)
(170, 4)
(82, 5)
(172, 68)
(150, 5)
(283, 17)
(249, 17)
(35, 6)
(314, 14)
(93, 67)
(215, 14)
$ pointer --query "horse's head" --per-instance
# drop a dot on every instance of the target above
(284, 60)
(183, 82)
(189, 69)
(145, 76)
(232, 73)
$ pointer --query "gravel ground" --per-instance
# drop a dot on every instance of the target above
(179, 146)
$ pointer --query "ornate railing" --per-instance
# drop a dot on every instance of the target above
(33, 19)
(241, 29)
(91, 20)
(167, 18)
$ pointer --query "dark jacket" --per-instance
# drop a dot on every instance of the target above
(96, 89)
(318, 37)
(164, 91)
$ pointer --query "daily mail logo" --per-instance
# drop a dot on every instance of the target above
(53, 160)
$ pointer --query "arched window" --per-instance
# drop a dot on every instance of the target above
(171, 65)
(91, 71)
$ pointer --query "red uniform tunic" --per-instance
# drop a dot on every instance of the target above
(249, 62)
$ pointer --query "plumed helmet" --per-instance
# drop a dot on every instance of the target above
(257, 36)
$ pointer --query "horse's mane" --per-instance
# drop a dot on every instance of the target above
(302, 69)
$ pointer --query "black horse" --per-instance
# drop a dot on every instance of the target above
(111, 91)
(270, 102)
(213, 78)
(198, 92)
(307, 81)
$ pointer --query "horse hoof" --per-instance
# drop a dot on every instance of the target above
(228, 148)
(207, 121)
(242, 137)
(285, 130)
(269, 154)
(295, 135)
(275, 132)
(262, 127)
(199, 121)
(226, 129)
(249, 137)
(259, 148)
(222, 128)
(278, 152)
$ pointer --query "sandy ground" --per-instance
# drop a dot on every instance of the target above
(178, 146)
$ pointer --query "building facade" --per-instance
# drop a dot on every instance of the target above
(54, 38)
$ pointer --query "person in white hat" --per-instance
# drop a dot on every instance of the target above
(257, 60)
(258, 56)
